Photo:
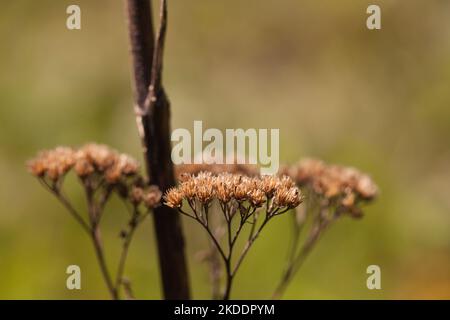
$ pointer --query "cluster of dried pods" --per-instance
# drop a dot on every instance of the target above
(102, 172)
(100, 169)
(237, 191)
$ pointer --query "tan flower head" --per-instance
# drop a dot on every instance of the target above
(188, 188)
(287, 197)
(226, 188)
(87, 160)
(100, 156)
(152, 197)
(136, 195)
(257, 197)
(83, 168)
(344, 186)
(52, 163)
(306, 170)
(366, 188)
(173, 198)
(269, 184)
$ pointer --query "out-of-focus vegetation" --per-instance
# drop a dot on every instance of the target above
(377, 100)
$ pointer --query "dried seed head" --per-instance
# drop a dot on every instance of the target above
(343, 186)
(98, 155)
(287, 182)
(269, 184)
(86, 161)
(122, 166)
(257, 198)
(52, 163)
(349, 200)
(287, 197)
(242, 188)
(366, 188)
(136, 195)
(173, 198)
(233, 188)
(83, 168)
(188, 188)
(152, 197)
(37, 167)
(307, 169)
(224, 187)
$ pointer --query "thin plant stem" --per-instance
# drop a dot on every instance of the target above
(66, 203)
(136, 220)
(295, 263)
(96, 240)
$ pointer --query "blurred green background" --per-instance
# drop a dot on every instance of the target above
(377, 100)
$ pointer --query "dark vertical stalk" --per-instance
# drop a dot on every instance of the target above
(153, 115)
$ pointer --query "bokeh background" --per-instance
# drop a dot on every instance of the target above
(377, 100)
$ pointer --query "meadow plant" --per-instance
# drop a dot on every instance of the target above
(231, 203)
(101, 172)
(328, 192)
(331, 192)
(242, 201)
(231, 207)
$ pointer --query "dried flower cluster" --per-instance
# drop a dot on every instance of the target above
(331, 190)
(150, 197)
(101, 171)
(344, 187)
(96, 165)
(87, 160)
(240, 198)
(226, 187)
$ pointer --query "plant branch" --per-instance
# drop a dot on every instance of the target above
(96, 240)
(296, 262)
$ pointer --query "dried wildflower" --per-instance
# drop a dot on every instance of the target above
(188, 188)
(257, 198)
(152, 197)
(122, 167)
(234, 193)
(102, 172)
(173, 198)
(287, 197)
(83, 168)
(366, 188)
(52, 164)
(349, 200)
(136, 195)
(98, 161)
(100, 156)
(128, 166)
(204, 193)
(269, 184)
(306, 170)
(342, 186)
(37, 167)
(241, 189)
(225, 187)
(332, 191)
